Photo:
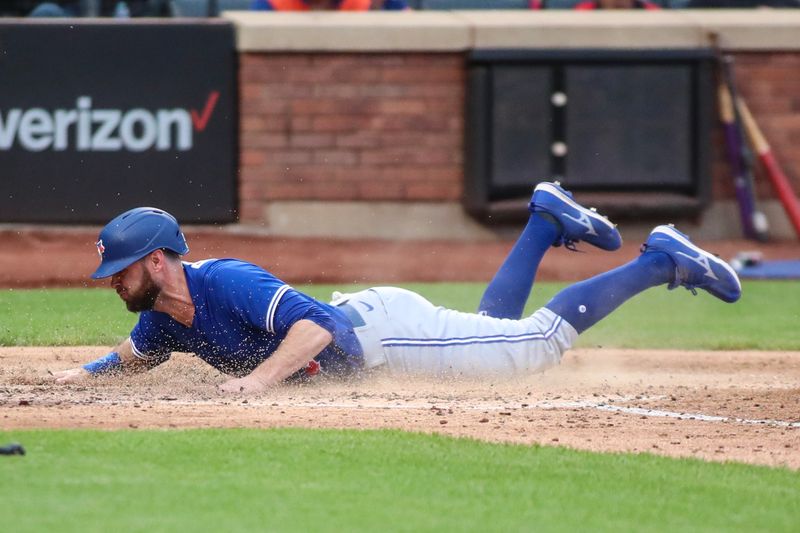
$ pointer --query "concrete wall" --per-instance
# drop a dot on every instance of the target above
(366, 109)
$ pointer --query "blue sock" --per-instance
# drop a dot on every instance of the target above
(508, 291)
(586, 303)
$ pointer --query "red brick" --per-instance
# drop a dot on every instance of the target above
(330, 191)
(253, 158)
(252, 190)
(282, 158)
(263, 140)
(443, 60)
(253, 123)
(262, 106)
(359, 174)
(333, 90)
(409, 122)
(337, 123)
(361, 139)
(453, 174)
(380, 191)
(358, 75)
(405, 107)
(312, 140)
(421, 139)
(386, 156)
(452, 107)
(340, 60)
(380, 91)
(311, 173)
(276, 62)
(443, 91)
(421, 75)
(249, 91)
(315, 106)
(431, 191)
(286, 90)
(251, 211)
(301, 123)
(286, 192)
(252, 174)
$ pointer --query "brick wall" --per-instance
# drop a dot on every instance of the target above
(350, 127)
(390, 126)
(770, 85)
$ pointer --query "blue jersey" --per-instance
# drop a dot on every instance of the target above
(241, 315)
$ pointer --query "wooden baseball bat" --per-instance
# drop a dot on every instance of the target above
(732, 142)
(758, 221)
(776, 175)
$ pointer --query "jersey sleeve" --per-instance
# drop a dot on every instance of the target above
(262, 301)
(150, 339)
(295, 306)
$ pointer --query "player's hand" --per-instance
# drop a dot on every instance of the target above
(245, 385)
(72, 375)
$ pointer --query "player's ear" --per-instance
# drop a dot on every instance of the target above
(157, 260)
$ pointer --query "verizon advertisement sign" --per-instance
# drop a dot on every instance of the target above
(115, 116)
(87, 129)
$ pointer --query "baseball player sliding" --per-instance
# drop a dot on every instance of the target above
(249, 324)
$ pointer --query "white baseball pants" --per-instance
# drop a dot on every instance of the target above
(410, 335)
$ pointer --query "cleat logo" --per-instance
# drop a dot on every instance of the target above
(584, 221)
(703, 262)
(100, 248)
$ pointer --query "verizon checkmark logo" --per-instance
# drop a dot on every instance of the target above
(200, 120)
(86, 128)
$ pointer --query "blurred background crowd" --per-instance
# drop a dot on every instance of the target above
(204, 8)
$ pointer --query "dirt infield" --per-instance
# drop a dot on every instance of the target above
(720, 406)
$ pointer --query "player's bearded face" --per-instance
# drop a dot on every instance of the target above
(138, 294)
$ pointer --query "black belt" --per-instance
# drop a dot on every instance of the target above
(352, 314)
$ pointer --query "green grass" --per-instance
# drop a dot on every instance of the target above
(62, 317)
(765, 318)
(300, 480)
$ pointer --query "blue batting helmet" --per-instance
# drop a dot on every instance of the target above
(134, 234)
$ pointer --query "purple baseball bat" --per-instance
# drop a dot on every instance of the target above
(733, 142)
(754, 222)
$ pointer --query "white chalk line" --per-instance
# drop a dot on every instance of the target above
(548, 405)
(667, 414)
(367, 403)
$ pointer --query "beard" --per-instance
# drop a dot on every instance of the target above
(145, 298)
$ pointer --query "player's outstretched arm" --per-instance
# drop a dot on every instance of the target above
(302, 343)
(120, 360)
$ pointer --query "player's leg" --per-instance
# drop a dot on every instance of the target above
(506, 294)
(668, 257)
(555, 219)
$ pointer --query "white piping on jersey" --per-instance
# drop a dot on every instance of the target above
(273, 306)
(138, 353)
(460, 341)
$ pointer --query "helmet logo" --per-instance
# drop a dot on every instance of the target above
(100, 248)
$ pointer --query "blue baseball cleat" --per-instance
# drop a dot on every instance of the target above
(577, 222)
(694, 267)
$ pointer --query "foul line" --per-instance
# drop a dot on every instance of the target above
(559, 405)
(364, 403)
(666, 414)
